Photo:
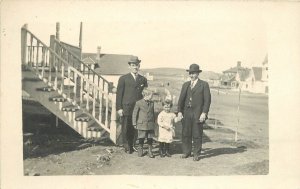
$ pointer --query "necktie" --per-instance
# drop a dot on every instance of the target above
(192, 84)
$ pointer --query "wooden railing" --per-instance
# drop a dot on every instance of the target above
(73, 79)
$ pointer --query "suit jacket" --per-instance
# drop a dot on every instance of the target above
(201, 98)
(143, 115)
(129, 91)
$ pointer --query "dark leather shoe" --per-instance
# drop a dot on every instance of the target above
(183, 156)
(196, 158)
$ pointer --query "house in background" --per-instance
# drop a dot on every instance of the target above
(109, 66)
(232, 77)
(149, 77)
(257, 81)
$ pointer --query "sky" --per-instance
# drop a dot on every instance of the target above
(161, 34)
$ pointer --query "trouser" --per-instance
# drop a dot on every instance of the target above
(128, 132)
(192, 130)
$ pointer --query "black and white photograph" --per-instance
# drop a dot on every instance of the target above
(128, 93)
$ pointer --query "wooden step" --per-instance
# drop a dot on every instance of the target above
(45, 89)
(70, 108)
(95, 127)
(83, 117)
(57, 99)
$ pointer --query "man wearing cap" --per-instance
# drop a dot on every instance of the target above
(193, 106)
(129, 90)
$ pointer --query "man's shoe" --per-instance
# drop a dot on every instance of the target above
(184, 156)
(196, 158)
(126, 150)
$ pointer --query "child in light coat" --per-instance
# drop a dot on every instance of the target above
(166, 130)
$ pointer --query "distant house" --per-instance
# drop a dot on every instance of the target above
(149, 77)
(232, 77)
(257, 81)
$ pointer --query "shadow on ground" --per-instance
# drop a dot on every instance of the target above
(41, 138)
(207, 153)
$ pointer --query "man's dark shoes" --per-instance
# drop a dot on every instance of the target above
(196, 158)
(184, 156)
(128, 150)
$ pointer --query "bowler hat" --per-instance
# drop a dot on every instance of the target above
(194, 68)
(134, 60)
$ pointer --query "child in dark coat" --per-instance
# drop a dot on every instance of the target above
(143, 121)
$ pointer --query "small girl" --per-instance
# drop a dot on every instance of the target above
(143, 121)
(166, 132)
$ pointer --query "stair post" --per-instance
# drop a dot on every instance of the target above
(23, 44)
(113, 124)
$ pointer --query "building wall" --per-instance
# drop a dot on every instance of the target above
(265, 75)
(112, 78)
(255, 87)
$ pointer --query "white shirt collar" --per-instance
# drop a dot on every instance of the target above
(133, 75)
(194, 82)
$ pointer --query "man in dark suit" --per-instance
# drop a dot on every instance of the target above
(193, 105)
(129, 90)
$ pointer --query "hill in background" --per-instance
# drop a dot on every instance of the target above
(179, 72)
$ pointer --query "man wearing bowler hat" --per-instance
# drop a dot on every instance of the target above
(193, 106)
(129, 90)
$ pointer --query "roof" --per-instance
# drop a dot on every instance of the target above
(257, 71)
(234, 69)
(88, 60)
(244, 74)
(110, 64)
(226, 78)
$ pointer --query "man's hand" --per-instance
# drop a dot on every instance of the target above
(120, 112)
(134, 126)
(179, 115)
(202, 117)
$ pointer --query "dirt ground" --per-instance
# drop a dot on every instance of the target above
(60, 151)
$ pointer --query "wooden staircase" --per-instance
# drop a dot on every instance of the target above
(70, 89)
